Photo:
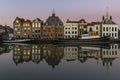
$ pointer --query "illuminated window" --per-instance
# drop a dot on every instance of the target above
(36, 25)
(16, 29)
(33, 25)
(39, 25)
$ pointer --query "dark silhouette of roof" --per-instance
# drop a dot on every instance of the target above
(107, 19)
(20, 19)
(37, 20)
(80, 21)
(54, 21)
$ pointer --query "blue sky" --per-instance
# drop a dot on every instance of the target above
(91, 10)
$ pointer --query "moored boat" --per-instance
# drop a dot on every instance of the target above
(17, 41)
(95, 40)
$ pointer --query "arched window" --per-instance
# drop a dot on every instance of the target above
(91, 30)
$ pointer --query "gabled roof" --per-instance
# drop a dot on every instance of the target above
(69, 21)
(27, 21)
(37, 20)
(20, 19)
(82, 20)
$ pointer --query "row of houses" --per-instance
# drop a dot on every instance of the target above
(54, 28)
(78, 29)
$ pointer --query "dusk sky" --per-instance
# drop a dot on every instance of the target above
(91, 10)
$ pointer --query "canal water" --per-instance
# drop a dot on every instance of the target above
(59, 62)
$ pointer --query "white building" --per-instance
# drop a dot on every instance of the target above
(109, 28)
(110, 54)
(71, 53)
(71, 30)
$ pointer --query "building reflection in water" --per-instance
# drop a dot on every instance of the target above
(89, 52)
(108, 55)
(70, 53)
(53, 54)
(36, 53)
(26, 53)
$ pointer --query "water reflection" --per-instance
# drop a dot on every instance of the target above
(53, 54)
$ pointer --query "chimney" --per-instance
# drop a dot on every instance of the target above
(110, 17)
(103, 18)
(68, 20)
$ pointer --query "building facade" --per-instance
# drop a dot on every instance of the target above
(27, 29)
(108, 27)
(17, 26)
(109, 55)
(53, 28)
(71, 30)
(37, 28)
(70, 53)
(82, 28)
(94, 28)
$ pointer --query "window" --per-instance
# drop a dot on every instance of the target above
(103, 28)
(115, 29)
(90, 30)
(112, 35)
(97, 28)
(16, 29)
(66, 32)
(96, 33)
(36, 25)
(106, 28)
(24, 30)
(35, 31)
(39, 25)
(107, 34)
(115, 46)
(115, 34)
(72, 32)
(112, 29)
(33, 25)
(103, 34)
(39, 31)
(75, 32)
